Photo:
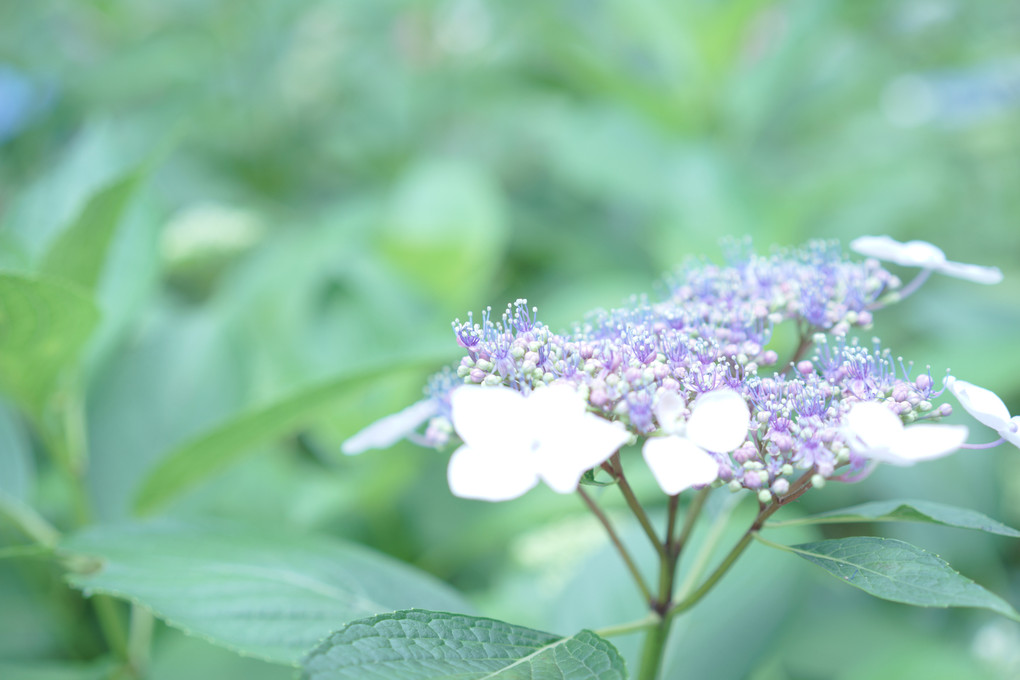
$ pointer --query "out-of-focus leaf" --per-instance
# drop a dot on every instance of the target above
(43, 325)
(55, 670)
(16, 465)
(423, 645)
(446, 228)
(80, 250)
(901, 572)
(908, 511)
(268, 594)
(210, 452)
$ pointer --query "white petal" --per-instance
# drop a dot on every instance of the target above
(983, 404)
(877, 433)
(1012, 432)
(580, 444)
(668, 408)
(678, 464)
(910, 254)
(484, 416)
(387, 431)
(925, 442)
(971, 272)
(873, 428)
(719, 421)
(484, 476)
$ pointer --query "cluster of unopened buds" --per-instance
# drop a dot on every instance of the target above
(692, 378)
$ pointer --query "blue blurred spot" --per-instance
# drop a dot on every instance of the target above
(20, 101)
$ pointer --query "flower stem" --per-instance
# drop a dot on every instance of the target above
(796, 491)
(693, 511)
(653, 649)
(617, 543)
(649, 621)
(616, 469)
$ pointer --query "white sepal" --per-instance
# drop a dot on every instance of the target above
(983, 404)
(678, 463)
(719, 421)
(512, 441)
(925, 255)
(487, 475)
(387, 431)
(875, 432)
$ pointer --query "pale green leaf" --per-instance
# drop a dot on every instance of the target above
(263, 593)
(901, 572)
(419, 645)
(43, 326)
(907, 511)
(211, 451)
(80, 251)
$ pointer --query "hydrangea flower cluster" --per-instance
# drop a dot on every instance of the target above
(693, 376)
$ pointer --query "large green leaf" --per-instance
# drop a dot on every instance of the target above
(267, 594)
(907, 511)
(43, 326)
(901, 572)
(418, 645)
(79, 252)
(210, 452)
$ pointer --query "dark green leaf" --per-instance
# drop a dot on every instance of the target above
(267, 594)
(901, 572)
(418, 645)
(908, 511)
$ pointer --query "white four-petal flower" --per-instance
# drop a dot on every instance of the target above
(987, 407)
(875, 432)
(680, 460)
(925, 255)
(512, 441)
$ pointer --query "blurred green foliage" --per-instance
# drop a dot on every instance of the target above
(207, 207)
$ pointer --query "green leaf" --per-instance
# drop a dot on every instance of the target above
(908, 511)
(43, 326)
(210, 452)
(79, 252)
(17, 468)
(56, 670)
(416, 645)
(589, 478)
(901, 572)
(267, 594)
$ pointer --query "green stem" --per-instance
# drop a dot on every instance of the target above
(715, 534)
(653, 649)
(710, 582)
(616, 469)
(617, 543)
(111, 624)
(649, 621)
(796, 491)
(68, 441)
(139, 640)
(693, 511)
(671, 512)
(31, 523)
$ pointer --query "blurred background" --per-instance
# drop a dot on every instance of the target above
(327, 184)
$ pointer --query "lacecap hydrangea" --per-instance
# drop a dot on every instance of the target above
(692, 378)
